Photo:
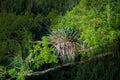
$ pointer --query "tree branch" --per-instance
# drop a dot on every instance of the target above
(69, 64)
(35, 42)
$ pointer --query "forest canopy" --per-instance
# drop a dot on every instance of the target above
(61, 36)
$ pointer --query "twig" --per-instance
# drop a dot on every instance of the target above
(35, 42)
(10, 78)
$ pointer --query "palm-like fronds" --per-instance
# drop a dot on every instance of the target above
(65, 40)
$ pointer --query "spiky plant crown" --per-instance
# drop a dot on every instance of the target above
(64, 40)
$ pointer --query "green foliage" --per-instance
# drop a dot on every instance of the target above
(102, 69)
(23, 21)
(53, 16)
(16, 6)
(106, 68)
(38, 29)
(2, 72)
(12, 72)
(96, 23)
(45, 6)
(42, 53)
(14, 34)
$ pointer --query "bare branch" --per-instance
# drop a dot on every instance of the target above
(35, 42)
(69, 64)
(10, 78)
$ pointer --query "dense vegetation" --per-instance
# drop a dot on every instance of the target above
(39, 34)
